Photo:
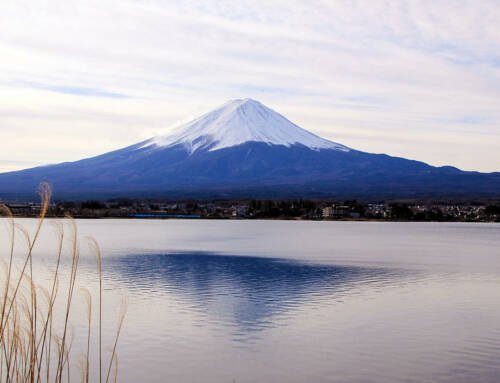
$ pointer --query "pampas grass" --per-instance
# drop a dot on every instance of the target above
(32, 347)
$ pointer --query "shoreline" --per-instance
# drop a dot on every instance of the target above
(201, 218)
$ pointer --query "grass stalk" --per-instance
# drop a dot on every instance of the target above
(36, 336)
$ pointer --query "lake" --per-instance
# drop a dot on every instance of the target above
(292, 301)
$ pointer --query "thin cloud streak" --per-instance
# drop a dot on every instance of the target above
(65, 89)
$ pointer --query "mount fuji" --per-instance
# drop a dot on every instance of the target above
(245, 149)
(238, 122)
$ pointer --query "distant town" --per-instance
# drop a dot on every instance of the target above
(404, 210)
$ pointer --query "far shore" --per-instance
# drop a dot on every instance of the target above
(160, 218)
(248, 209)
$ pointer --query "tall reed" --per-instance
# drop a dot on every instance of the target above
(36, 336)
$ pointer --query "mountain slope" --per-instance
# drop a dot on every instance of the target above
(237, 122)
(245, 149)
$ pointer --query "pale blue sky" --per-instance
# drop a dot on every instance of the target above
(418, 79)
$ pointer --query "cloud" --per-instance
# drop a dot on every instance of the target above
(65, 89)
(419, 79)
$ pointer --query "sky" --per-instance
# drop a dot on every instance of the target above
(418, 79)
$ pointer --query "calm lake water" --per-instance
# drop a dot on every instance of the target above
(290, 301)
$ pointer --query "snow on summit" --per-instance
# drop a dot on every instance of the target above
(237, 122)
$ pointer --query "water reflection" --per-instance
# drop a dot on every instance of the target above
(247, 291)
(203, 316)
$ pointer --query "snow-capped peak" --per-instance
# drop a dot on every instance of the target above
(237, 122)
